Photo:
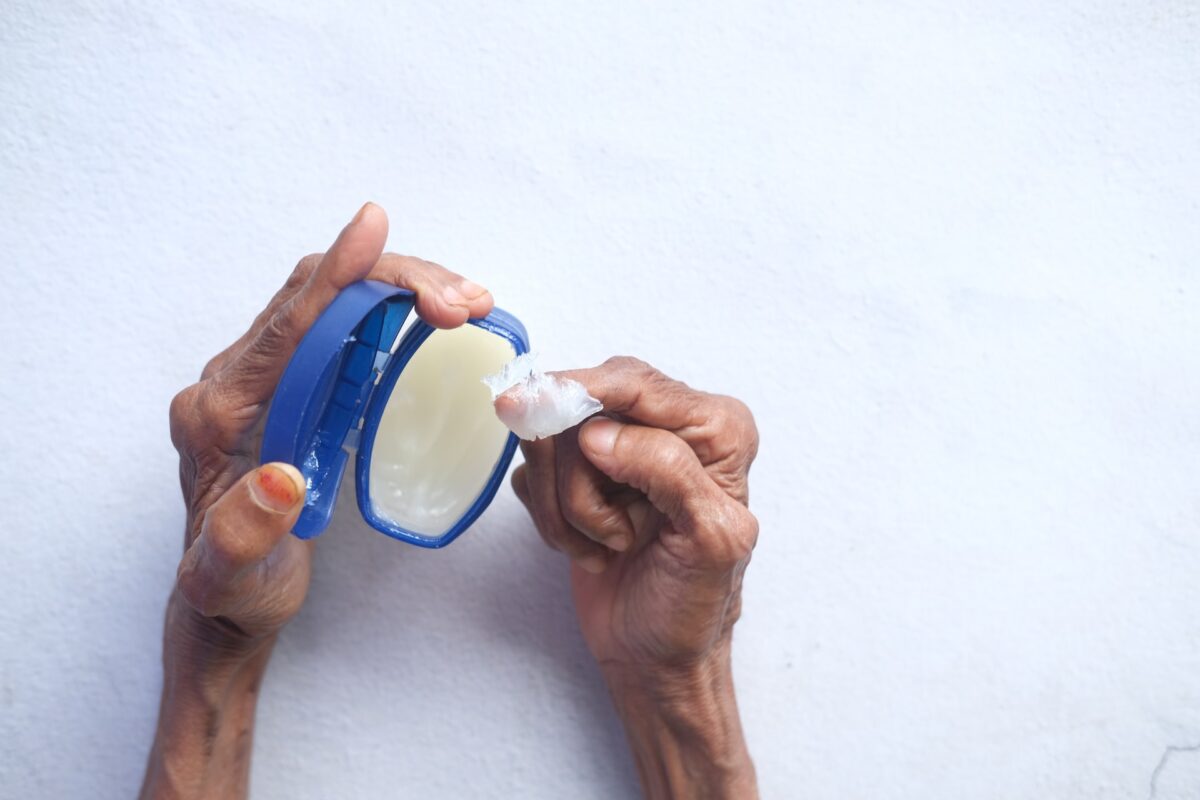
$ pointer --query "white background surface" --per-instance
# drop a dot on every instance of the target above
(947, 252)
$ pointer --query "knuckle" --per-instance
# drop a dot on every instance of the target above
(744, 422)
(628, 365)
(186, 428)
(587, 512)
(304, 269)
(219, 422)
(718, 414)
(278, 334)
(734, 534)
(740, 410)
(210, 409)
(738, 422)
(183, 403)
(729, 440)
(212, 366)
(278, 329)
(745, 530)
(196, 590)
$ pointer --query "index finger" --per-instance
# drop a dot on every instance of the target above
(635, 390)
(719, 429)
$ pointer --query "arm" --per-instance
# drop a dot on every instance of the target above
(242, 577)
(650, 503)
(206, 719)
(684, 731)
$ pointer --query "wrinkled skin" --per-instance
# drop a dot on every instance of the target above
(241, 576)
(650, 502)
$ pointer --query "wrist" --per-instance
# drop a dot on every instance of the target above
(211, 680)
(683, 727)
(211, 647)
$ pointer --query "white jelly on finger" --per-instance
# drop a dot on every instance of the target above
(544, 405)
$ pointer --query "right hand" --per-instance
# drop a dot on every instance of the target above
(650, 502)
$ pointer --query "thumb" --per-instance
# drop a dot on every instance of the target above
(251, 376)
(238, 532)
(654, 461)
(665, 468)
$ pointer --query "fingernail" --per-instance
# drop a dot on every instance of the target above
(453, 296)
(360, 213)
(620, 543)
(275, 490)
(471, 289)
(593, 564)
(600, 436)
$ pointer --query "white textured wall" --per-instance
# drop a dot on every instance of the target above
(947, 252)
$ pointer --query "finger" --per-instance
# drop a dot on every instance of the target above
(442, 295)
(445, 299)
(238, 532)
(250, 377)
(582, 497)
(520, 485)
(637, 391)
(542, 484)
(668, 472)
(718, 428)
(300, 274)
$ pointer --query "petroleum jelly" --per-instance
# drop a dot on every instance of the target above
(438, 439)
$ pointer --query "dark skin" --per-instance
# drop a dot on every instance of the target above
(648, 501)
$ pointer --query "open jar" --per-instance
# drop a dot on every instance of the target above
(410, 405)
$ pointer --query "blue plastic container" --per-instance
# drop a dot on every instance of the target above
(334, 391)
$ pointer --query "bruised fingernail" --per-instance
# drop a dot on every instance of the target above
(453, 296)
(471, 290)
(593, 564)
(276, 490)
(600, 435)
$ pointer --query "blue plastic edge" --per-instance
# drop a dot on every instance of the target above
(314, 392)
(499, 322)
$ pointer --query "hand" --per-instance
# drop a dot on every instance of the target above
(242, 577)
(240, 571)
(650, 503)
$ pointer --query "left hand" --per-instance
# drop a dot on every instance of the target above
(242, 577)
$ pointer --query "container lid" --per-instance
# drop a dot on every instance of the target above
(334, 390)
(323, 392)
